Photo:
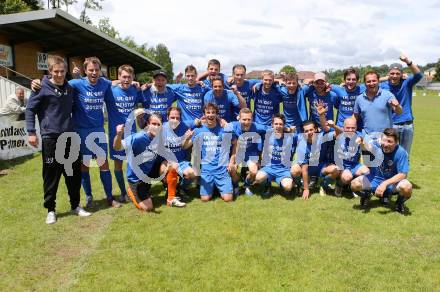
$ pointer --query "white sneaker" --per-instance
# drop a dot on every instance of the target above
(51, 218)
(322, 191)
(248, 192)
(81, 212)
(176, 202)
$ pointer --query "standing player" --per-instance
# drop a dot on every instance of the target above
(213, 71)
(403, 91)
(375, 106)
(266, 100)
(246, 148)
(346, 96)
(90, 94)
(225, 100)
(279, 148)
(243, 86)
(390, 176)
(190, 98)
(158, 98)
(211, 140)
(125, 97)
(320, 95)
(177, 137)
(53, 106)
(294, 103)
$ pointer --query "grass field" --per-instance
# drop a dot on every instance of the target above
(280, 243)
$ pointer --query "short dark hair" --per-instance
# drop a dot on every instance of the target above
(351, 71)
(390, 132)
(210, 105)
(173, 108)
(372, 72)
(214, 62)
(217, 78)
(310, 122)
(279, 116)
(190, 68)
(291, 76)
(238, 66)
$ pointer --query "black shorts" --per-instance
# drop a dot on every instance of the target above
(140, 189)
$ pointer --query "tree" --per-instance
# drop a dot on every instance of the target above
(437, 72)
(105, 26)
(68, 3)
(15, 6)
(288, 69)
(162, 56)
(89, 4)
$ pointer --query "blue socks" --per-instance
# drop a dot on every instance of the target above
(120, 180)
(85, 181)
(106, 179)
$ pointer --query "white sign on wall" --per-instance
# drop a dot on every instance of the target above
(6, 55)
(42, 61)
(13, 139)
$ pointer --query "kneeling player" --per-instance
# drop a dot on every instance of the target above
(347, 149)
(214, 158)
(177, 138)
(143, 164)
(279, 148)
(312, 156)
(390, 176)
(246, 150)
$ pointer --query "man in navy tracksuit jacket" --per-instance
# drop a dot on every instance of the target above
(53, 106)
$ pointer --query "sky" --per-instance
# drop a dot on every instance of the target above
(310, 35)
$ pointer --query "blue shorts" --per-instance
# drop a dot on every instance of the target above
(276, 173)
(221, 180)
(374, 182)
(102, 148)
(353, 168)
(183, 165)
(317, 170)
(114, 154)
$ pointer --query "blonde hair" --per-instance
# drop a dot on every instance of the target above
(91, 60)
(55, 60)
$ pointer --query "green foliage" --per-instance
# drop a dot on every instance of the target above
(89, 4)
(105, 26)
(13, 6)
(68, 3)
(437, 72)
(288, 69)
(160, 54)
